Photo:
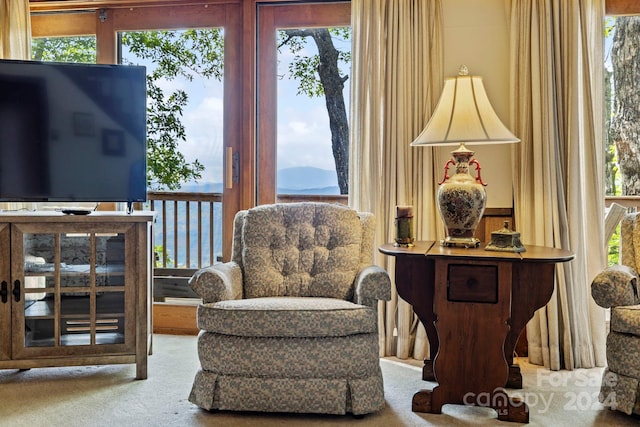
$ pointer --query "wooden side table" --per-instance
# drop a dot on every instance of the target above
(473, 304)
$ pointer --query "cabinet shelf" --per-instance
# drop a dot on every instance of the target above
(78, 340)
(48, 270)
(107, 304)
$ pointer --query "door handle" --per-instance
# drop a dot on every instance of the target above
(4, 292)
(232, 168)
(16, 290)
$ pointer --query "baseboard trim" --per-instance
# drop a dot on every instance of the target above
(174, 319)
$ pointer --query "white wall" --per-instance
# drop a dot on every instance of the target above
(476, 34)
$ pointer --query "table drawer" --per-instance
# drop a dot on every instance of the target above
(472, 283)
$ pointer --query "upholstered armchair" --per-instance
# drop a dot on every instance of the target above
(290, 323)
(617, 288)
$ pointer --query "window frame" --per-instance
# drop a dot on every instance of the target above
(622, 7)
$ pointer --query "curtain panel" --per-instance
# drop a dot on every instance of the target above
(557, 112)
(15, 43)
(397, 77)
(15, 29)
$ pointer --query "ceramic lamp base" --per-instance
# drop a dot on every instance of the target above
(461, 200)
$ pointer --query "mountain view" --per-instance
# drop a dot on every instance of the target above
(307, 180)
(298, 180)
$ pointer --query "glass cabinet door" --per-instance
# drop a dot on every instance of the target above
(74, 289)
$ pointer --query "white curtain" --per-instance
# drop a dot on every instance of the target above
(397, 77)
(557, 104)
(15, 29)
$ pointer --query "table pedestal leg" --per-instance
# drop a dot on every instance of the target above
(472, 304)
(515, 377)
(427, 371)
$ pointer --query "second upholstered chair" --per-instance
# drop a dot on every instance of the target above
(617, 288)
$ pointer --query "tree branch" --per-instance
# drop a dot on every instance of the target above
(299, 32)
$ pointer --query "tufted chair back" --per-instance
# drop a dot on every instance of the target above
(301, 249)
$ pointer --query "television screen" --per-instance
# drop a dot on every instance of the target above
(72, 132)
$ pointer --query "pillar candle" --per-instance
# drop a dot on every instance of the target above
(404, 211)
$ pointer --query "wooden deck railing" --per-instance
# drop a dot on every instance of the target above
(189, 225)
(188, 228)
(627, 201)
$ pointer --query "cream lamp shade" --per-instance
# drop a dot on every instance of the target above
(464, 115)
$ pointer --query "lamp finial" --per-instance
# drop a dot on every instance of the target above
(463, 71)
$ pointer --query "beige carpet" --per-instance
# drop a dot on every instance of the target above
(110, 396)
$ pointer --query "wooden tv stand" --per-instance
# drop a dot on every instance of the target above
(75, 289)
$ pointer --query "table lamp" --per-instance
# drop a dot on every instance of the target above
(464, 116)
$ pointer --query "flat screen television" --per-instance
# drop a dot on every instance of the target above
(72, 132)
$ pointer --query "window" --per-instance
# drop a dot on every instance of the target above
(622, 147)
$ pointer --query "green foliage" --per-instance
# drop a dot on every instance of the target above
(174, 53)
(166, 165)
(304, 68)
(614, 248)
(612, 172)
(159, 252)
(609, 25)
(185, 53)
(64, 49)
(180, 53)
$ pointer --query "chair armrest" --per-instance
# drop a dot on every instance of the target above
(615, 286)
(218, 282)
(372, 284)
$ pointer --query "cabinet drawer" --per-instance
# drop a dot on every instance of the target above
(472, 283)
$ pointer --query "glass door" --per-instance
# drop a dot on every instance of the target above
(190, 52)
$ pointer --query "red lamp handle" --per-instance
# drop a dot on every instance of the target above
(446, 169)
(478, 177)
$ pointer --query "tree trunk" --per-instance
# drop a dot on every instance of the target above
(333, 87)
(625, 121)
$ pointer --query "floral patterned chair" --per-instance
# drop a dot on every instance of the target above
(290, 323)
(617, 288)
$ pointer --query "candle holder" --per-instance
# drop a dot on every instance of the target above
(505, 240)
(404, 226)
